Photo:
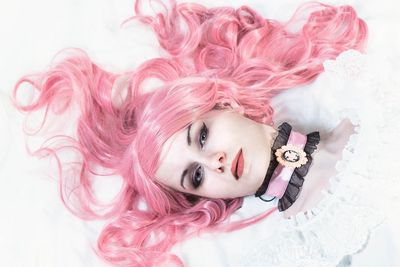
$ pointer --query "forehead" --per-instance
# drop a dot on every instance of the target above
(176, 142)
(173, 158)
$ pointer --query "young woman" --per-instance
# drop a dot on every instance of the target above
(191, 132)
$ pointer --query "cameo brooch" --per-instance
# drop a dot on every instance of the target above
(291, 156)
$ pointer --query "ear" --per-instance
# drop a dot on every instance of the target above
(231, 106)
(237, 108)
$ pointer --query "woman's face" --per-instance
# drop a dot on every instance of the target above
(222, 155)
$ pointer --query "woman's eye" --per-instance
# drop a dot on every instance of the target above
(197, 176)
(203, 135)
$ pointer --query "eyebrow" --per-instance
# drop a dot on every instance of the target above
(188, 138)
(189, 142)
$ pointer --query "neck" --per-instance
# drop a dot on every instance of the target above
(270, 133)
(290, 160)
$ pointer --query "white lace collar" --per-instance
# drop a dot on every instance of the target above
(341, 223)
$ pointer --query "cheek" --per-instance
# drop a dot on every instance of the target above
(223, 186)
(214, 186)
(225, 135)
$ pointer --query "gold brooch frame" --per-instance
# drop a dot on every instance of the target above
(291, 156)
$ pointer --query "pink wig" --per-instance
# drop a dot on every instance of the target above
(216, 58)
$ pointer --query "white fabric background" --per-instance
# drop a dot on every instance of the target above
(35, 228)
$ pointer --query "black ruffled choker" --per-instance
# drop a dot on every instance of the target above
(290, 161)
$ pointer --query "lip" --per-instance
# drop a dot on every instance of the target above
(238, 165)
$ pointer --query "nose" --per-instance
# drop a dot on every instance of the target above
(216, 161)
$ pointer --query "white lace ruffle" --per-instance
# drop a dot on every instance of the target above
(366, 183)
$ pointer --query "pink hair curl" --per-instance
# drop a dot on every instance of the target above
(216, 58)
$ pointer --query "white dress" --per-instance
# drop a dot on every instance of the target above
(362, 205)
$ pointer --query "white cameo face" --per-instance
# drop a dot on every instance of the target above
(222, 155)
(291, 156)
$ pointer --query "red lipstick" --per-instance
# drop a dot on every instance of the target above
(238, 165)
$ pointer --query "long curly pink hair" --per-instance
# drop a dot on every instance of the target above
(215, 58)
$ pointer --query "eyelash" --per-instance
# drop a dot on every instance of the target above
(197, 180)
(203, 133)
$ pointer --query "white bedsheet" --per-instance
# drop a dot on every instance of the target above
(35, 228)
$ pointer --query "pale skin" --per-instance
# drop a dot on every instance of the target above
(198, 159)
